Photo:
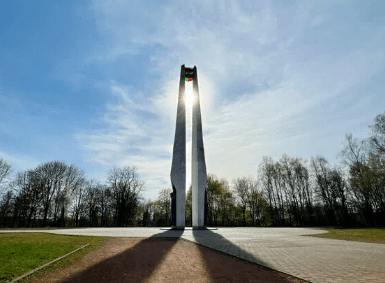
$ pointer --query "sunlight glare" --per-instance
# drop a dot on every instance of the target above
(189, 97)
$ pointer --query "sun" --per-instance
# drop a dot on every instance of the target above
(189, 98)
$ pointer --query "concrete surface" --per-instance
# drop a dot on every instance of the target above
(284, 249)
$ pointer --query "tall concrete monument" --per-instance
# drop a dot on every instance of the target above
(198, 164)
(178, 167)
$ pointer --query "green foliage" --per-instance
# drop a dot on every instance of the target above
(189, 207)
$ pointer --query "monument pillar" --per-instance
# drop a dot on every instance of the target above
(178, 167)
(198, 164)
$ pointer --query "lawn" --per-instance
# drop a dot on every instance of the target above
(368, 235)
(23, 252)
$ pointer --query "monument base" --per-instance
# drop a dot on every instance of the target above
(189, 228)
(177, 227)
(199, 228)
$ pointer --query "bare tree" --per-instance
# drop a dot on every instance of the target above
(324, 186)
(339, 192)
(50, 175)
(355, 154)
(305, 192)
(125, 187)
(55, 180)
(106, 205)
(294, 203)
(266, 175)
(286, 190)
(164, 201)
(5, 170)
(377, 140)
(6, 205)
(28, 200)
(255, 201)
(93, 190)
(280, 192)
(78, 203)
(243, 187)
(375, 171)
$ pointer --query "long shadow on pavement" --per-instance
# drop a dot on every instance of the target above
(128, 266)
(239, 260)
(139, 263)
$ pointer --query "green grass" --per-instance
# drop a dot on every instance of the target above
(368, 235)
(23, 252)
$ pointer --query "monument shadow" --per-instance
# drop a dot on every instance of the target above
(138, 263)
(211, 244)
(128, 265)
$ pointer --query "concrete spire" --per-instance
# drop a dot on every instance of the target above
(198, 164)
(178, 167)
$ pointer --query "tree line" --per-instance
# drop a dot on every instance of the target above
(57, 194)
(289, 192)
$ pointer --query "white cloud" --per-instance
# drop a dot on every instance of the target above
(262, 68)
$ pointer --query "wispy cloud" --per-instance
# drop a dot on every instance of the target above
(273, 78)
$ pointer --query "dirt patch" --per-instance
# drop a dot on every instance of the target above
(161, 260)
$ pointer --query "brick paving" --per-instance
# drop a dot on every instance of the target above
(284, 249)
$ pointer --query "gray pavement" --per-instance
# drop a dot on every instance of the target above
(284, 249)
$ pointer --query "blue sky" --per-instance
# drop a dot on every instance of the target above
(95, 83)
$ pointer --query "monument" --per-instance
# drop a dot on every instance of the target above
(198, 164)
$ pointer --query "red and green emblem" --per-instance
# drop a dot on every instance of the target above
(188, 76)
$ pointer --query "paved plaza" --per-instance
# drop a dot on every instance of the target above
(284, 249)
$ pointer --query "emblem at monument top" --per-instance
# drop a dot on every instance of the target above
(198, 164)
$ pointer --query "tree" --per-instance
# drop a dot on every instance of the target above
(164, 201)
(355, 155)
(28, 201)
(266, 175)
(93, 193)
(106, 205)
(126, 188)
(377, 140)
(5, 170)
(376, 173)
(254, 205)
(243, 188)
(213, 193)
(294, 203)
(188, 208)
(146, 216)
(226, 204)
(323, 188)
(55, 180)
(78, 203)
(6, 205)
(305, 193)
(279, 189)
(368, 185)
(340, 195)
